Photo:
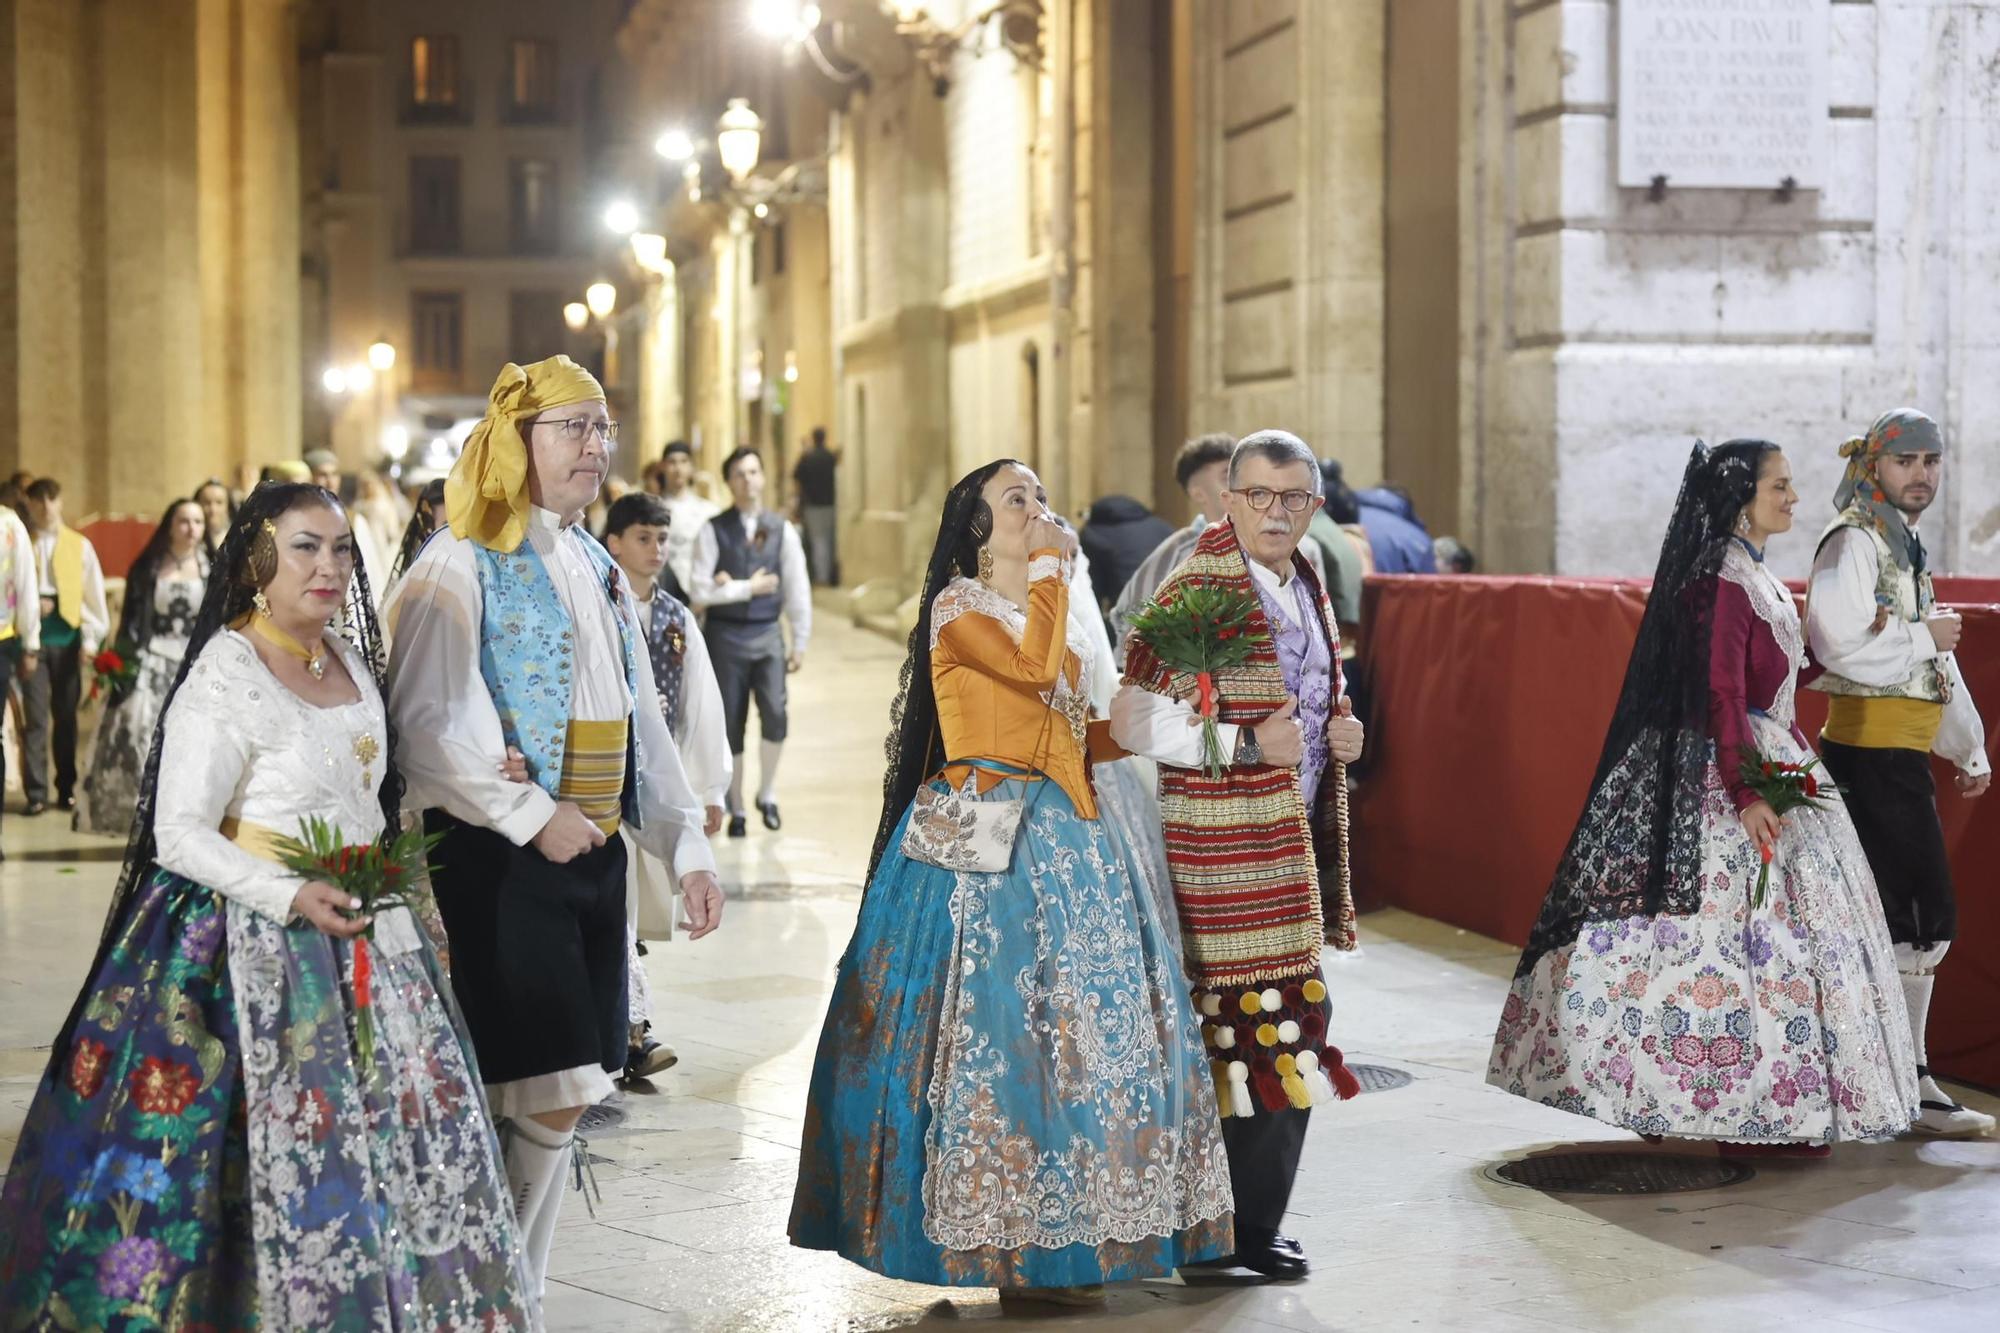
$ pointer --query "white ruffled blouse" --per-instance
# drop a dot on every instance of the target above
(239, 745)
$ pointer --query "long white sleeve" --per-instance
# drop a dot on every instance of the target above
(705, 590)
(1961, 737)
(1840, 617)
(203, 756)
(797, 588)
(670, 813)
(27, 587)
(1164, 730)
(449, 736)
(95, 612)
(703, 740)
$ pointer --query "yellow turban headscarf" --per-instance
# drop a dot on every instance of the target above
(486, 495)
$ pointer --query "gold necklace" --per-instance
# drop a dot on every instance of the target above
(267, 629)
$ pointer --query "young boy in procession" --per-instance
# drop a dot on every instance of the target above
(636, 532)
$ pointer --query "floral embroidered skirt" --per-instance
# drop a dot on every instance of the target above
(1010, 1088)
(110, 790)
(1772, 1024)
(206, 1153)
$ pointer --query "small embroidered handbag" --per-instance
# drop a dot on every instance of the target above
(954, 830)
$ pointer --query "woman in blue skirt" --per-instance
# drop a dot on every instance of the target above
(1010, 1090)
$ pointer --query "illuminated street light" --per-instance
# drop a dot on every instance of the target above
(649, 249)
(774, 18)
(335, 380)
(738, 136)
(762, 210)
(395, 443)
(576, 314)
(382, 356)
(791, 367)
(602, 298)
(622, 217)
(360, 379)
(674, 145)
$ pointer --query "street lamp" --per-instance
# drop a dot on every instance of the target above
(622, 217)
(738, 135)
(649, 250)
(334, 379)
(382, 355)
(360, 378)
(674, 145)
(601, 298)
(576, 314)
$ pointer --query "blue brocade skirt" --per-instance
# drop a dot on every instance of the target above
(209, 1151)
(1010, 1088)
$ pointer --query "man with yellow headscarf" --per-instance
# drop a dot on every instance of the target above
(1898, 696)
(516, 630)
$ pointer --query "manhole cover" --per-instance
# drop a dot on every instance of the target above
(1621, 1173)
(599, 1119)
(1380, 1078)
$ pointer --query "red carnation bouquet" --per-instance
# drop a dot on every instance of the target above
(376, 873)
(1205, 629)
(115, 669)
(1786, 787)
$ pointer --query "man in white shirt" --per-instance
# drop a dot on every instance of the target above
(515, 629)
(688, 512)
(75, 620)
(1897, 697)
(635, 532)
(749, 571)
(20, 607)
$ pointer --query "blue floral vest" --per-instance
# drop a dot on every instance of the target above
(666, 646)
(527, 655)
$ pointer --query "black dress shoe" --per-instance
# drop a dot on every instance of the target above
(769, 809)
(65, 802)
(1275, 1256)
(738, 826)
(37, 808)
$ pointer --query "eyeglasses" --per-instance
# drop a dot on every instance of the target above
(575, 428)
(1260, 497)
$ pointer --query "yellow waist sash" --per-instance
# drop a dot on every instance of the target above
(255, 839)
(593, 771)
(1886, 723)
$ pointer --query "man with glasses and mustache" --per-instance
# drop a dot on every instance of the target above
(1898, 697)
(516, 631)
(1258, 857)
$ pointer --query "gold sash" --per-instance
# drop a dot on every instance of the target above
(593, 771)
(255, 839)
(1882, 723)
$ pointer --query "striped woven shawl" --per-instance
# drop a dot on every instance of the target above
(1248, 860)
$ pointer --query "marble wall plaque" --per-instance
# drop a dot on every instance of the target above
(1722, 93)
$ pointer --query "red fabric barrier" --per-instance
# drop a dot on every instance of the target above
(1488, 700)
(118, 539)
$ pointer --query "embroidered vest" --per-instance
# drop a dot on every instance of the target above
(527, 657)
(666, 649)
(1908, 595)
(740, 556)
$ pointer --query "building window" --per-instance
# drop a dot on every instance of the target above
(532, 206)
(437, 322)
(434, 205)
(531, 79)
(434, 90)
(535, 328)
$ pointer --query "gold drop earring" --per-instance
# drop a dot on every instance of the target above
(985, 564)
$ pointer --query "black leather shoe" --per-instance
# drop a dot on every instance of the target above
(1275, 1256)
(769, 809)
(37, 808)
(65, 802)
(738, 826)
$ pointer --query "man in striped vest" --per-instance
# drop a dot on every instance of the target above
(1251, 852)
(1897, 698)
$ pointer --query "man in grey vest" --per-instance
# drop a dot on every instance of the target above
(1897, 698)
(749, 573)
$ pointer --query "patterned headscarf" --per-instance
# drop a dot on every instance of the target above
(486, 495)
(1901, 430)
